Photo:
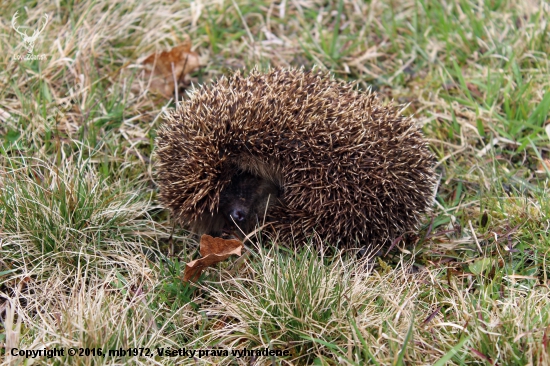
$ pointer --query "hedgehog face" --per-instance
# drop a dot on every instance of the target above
(243, 203)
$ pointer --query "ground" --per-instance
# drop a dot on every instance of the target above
(89, 259)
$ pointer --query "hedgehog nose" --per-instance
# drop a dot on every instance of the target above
(238, 215)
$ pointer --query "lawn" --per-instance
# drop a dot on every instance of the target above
(91, 261)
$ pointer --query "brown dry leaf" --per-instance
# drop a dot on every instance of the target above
(474, 90)
(167, 69)
(213, 250)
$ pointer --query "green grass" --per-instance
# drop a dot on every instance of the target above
(89, 258)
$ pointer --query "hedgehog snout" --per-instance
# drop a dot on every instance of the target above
(238, 213)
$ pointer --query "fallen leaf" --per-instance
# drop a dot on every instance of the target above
(210, 245)
(213, 251)
(484, 219)
(474, 90)
(166, 70)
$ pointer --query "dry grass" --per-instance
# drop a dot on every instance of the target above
(89, 259)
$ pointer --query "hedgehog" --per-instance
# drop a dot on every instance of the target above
(341, 167)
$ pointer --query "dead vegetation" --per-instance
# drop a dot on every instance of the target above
(88, 258)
